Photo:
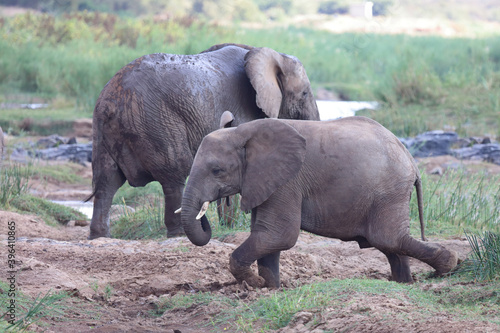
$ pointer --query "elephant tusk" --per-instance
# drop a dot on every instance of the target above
(178, 210)
(203, 210)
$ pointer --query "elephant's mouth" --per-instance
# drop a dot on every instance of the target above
(202, 212)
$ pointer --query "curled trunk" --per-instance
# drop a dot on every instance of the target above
(198, 231)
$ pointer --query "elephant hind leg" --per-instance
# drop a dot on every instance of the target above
(436, 255)
(400, 268)
(433, 254)
(173, 200)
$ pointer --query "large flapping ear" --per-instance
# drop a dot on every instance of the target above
(263, 66)
(226, 119)
(274, 153)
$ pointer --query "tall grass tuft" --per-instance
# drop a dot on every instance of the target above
(14, 182)
(461, 199)
(30, 311)
(145, 223)
(483, 263)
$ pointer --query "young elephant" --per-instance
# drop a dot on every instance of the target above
(349, 179)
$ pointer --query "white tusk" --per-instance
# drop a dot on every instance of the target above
(203, 210)
(178, 210)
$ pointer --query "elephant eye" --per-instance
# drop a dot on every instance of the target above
(216, 171)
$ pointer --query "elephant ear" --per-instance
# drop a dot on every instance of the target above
(274, 153)
(226, 119)
(263, 65)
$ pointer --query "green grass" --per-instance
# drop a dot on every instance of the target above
(30, 310)
(275, 310)
(456, 201)
(147, 222)
(14, 182)
(14, 195)
(483, 264)
(51, 213)
(136, 196)
(422, 82)
(55, 119)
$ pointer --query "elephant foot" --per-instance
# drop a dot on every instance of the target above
(98, 235)
(244, 273)
(446, 262)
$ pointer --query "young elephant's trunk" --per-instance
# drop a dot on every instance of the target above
(197, 230)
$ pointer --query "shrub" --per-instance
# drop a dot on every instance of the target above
(483, 262)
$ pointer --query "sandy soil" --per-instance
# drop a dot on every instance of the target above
(116, 283)
(140, 272)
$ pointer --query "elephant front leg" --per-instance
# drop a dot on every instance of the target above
(269, 269)
(242, 272)
(265, 248)
(173, 200)
(400, 268)
(108, 178)
(275, 228)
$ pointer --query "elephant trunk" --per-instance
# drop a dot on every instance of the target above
(197, 229)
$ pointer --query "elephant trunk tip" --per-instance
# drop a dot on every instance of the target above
(198, 231)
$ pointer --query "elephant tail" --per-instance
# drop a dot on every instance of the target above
(418, 187)
(91, 195)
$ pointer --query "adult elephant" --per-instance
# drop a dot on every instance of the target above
(152, 115)
(349, 179)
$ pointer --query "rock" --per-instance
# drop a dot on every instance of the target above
(434, 143)
(55, 147)
(78, 153)
(437, 171)
(439, 143)
(51, 141)
(489, 152)
(116, 211)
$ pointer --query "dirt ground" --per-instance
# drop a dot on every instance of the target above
(116, 283)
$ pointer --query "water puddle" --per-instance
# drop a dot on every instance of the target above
(83, 207)
(329, 110)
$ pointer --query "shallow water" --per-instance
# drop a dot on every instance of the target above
(329, 110)
(83, 207)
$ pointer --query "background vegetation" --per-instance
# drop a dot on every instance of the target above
(423, 83)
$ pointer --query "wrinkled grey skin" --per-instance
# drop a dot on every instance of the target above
(152, 115)
(349, 179)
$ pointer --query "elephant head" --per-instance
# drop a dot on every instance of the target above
(251, 160)
(280, 81)
(282, 86)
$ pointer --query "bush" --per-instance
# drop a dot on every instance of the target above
(50, 212)
(381, 8)
(332, 7)
(14, 182)
(484, 261)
